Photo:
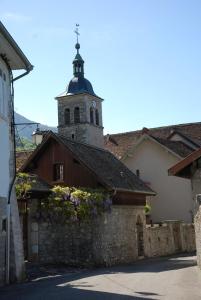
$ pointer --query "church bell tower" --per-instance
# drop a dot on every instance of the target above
(79, 108)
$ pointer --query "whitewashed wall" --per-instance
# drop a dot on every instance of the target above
(174, 196)
(4, 130)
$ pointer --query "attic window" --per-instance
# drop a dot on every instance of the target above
(58, 172)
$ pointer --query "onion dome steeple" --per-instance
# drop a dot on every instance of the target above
(79, 84)
(78, 62)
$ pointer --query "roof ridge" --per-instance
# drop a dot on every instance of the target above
(152, 128)
(82, 143)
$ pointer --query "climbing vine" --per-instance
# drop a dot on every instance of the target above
(23, 185)
(65, 204)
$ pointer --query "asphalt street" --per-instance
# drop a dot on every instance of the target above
(169, 278)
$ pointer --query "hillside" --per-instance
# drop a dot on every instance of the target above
(26, 131)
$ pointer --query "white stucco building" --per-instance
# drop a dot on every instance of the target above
(11, 58)
(150, 153)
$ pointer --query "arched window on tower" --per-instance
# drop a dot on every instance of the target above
(97, 117)
(67, 116)
(76, 115)
(91, 115)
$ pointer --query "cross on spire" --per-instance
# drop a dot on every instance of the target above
(77, 31)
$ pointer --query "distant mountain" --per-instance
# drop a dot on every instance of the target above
(27, 130)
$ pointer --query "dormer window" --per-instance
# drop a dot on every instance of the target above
(67, 116)
(91, 115)
(97, 117)
(76, 115)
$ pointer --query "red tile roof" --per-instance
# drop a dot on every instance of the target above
(120, 143)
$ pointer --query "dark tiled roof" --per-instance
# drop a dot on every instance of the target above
(120, 143)
(112, 172)
(176, 146)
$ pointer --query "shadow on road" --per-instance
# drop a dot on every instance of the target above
(64, 286)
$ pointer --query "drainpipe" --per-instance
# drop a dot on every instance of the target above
(8, 232)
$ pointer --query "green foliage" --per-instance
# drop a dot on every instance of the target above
(24, 144)
(72, 204)
(147, 209)
(23, 184)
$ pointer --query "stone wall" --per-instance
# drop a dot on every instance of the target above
(110, 239)
(198, 236)
(169, 238)
(83, 131)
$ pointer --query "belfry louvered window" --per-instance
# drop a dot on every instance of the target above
(91, 115)
(97, 117)
(67, 116)
(77, 115)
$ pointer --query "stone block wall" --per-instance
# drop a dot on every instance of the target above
(84, 131)
(169, 238)
(108, 240)
(158, 240)
(112, 238)
(115, 236)
(198, 235)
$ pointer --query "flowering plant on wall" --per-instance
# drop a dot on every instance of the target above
(66, 204)
(23, 185)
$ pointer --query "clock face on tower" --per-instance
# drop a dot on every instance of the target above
(94, 104)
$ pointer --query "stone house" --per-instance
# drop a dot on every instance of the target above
(11, 258)
(190, 167)
(62, 161)
(150, 153)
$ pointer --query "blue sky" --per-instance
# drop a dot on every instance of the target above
(142, 56)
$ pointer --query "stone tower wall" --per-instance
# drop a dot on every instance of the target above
(84, 131)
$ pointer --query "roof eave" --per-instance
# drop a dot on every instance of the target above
(151, 193)
(25, 62)
(72, 95)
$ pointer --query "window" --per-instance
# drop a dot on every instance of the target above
(67, 116)
(138, 173)
(97, 117)
(77, 115)
(72, 136)
(58, 172)
(91, 115)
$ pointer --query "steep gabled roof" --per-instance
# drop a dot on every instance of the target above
(176, 146)
(119, 144)
(177, 169)
(178, 149)
(105, 166)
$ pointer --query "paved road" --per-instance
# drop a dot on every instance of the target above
(168, 278)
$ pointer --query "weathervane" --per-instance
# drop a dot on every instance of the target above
(76, 31)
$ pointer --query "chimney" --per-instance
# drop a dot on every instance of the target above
(145, 130)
